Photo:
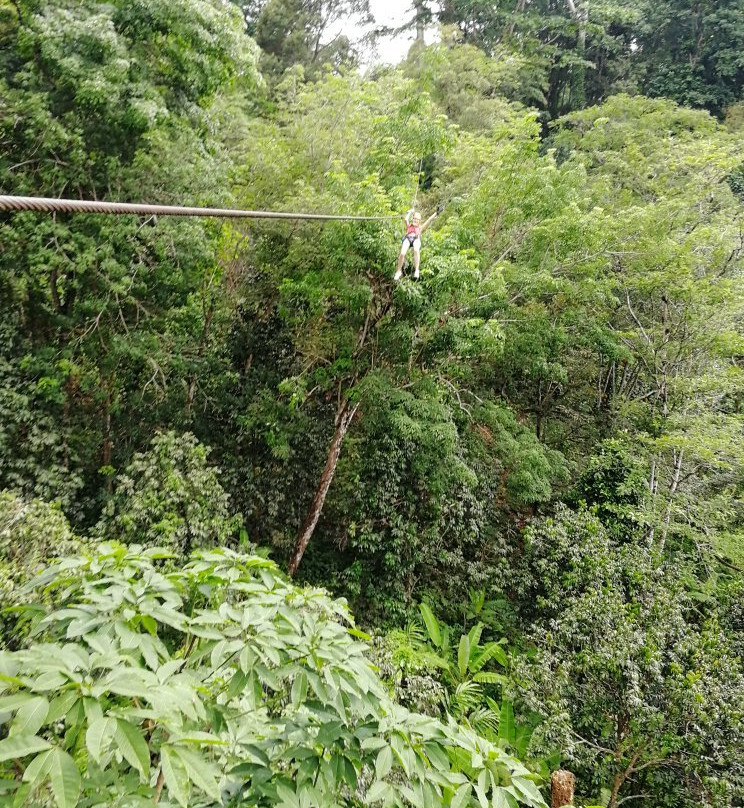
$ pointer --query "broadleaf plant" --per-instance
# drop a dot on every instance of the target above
(219, 683)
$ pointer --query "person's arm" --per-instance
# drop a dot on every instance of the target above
(433, 216)
(429, 221)
(407, 217)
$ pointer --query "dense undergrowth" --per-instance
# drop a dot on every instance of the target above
(536, 510)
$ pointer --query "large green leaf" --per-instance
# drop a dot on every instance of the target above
(462, 796)
(503, 799)
(174, 774)
(18, 746)
(37, 769)
(431, 623)
(491, 678)
(299, 689)
(202, 774)
(132, 745)
(14, 701)
(61, 705)
(384, 762)
(527, 790)
(65, 779)
(474, 636)
(30, 717)
(379, 790)
(99, 736)
(463, 654)
(491, 650)
(507, 729)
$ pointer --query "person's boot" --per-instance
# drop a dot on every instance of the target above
(416, 275)
(398, 275)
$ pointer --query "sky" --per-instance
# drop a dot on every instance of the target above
(391, 14)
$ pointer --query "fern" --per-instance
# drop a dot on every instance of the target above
(466, 698)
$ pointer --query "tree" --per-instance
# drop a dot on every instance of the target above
(470, 86)
(304, 32)
(691, 52)
(220, 682)
(582, 50)
(668, 354)
(104, 317)
(352, 349)
(169, 497)
(638, 690)
(32, 534)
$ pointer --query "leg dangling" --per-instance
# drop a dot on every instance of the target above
(401, 259)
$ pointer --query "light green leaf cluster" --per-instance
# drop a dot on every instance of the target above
(31, 533)
(170, 496)
(221, 681)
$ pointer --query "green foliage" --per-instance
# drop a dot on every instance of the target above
(586, 51)
(575, 338)
(472, 87)
(37, 456)
(322, 330)
(614, 484)
(627, 674)
(170, 497)
(232, 685)
(578, 52)
(108, 322)
(301, 32)
(692, 53)
(32, 533)
(467, 679)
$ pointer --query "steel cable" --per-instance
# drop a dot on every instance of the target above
(53, 205)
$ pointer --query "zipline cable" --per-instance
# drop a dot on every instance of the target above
(52, 205)
(418, 180)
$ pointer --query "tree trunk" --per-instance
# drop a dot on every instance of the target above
(191, 387)
(580, 12)
(672, 491)
(343, 420)
(621, 776)
(616, 784)
(108, 439)
(420, 21)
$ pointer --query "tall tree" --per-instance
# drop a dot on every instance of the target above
(306, 33)
(582, 50)
(693, 52)
(103, 317)
(353, 351)
(643, 695)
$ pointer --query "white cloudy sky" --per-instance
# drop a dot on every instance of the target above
(392, 14)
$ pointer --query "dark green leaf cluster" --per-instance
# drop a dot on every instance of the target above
(541, 440)
(639, 685)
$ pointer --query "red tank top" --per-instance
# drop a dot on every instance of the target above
(414, 230)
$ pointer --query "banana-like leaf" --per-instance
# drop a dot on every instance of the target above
(432, 624)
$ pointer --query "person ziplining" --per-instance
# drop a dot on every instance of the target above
(412, 239)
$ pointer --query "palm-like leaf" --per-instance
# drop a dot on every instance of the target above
(485, 722)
